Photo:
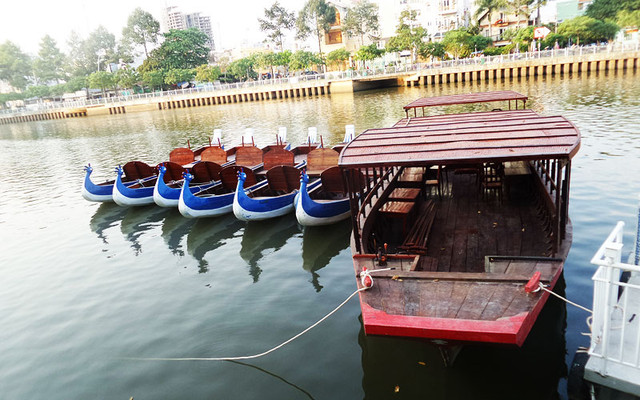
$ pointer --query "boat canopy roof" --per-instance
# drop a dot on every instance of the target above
(464, 138)
(481, 97)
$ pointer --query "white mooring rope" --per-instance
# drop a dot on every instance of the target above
(564, 299)
(255, 355)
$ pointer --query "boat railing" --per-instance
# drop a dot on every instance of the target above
(615, 338)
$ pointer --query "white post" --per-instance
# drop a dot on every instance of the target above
(217, 135)
(349, 133)
(313, 135)
(282, 134)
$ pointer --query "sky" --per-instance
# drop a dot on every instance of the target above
(25, 22)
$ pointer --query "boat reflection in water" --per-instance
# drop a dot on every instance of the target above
(320, 244)
(138, 220)
(106, 216)
(174, 228)
(208, 234)
(413, 368)
(264, 235)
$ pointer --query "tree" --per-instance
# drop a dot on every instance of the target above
(338, 57)
(409, 34)
(362, 20)
(609, 9)
(41, 91)
(277, 20)
(153, 79)
(141, 29)
(207, 73)
(489, 7)
(368, 53)
(15, 66)
(102, 80)
(76, 83)
(49, 65)
(100, 48)
(519, 7)
(177, 76)
(242, 69)
(127, 78)
(628, 19)
(181, 49)
(433, 50)
(457, 43)
(303, 60)
(587, 30)
(316, 16)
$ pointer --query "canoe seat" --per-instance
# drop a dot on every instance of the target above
(332, 181)
(320, 159)
(206, 171)
(283, 179)
(277, 156)
(174, 172)
(137, 170)
(181, 156)
(229, 177)
(214, 154)
(248, 156)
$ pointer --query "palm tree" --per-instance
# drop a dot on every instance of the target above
(489, 7)
(520, 7)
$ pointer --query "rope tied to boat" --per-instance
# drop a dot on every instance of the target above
(542, 287)
(365, 276)
(264, 353)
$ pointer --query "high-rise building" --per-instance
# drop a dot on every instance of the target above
(175, 19)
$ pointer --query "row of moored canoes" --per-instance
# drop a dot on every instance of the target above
(253, 183)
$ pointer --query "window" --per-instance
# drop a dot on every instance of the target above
(334, 37)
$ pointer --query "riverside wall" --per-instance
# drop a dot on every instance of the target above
(506, 69)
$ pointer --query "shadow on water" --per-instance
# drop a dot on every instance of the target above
(139, 220)
(106, 216)
(293, 385)
(208, 234)
(409, 369)
(320, 244)
(263, 235)
(174, 228)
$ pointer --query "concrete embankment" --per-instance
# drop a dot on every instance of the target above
(476, 71)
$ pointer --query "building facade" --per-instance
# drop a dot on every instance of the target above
(173, 18)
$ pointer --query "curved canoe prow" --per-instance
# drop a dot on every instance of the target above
(249, 208)
(91, 191)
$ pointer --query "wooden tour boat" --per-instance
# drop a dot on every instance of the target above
(138, 193)
(461, 216)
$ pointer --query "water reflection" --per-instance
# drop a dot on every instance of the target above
(407, 368)
(208, 234)
(320, 244)
(106, 216)
(293, 385)
(263, 235)
(139, 220)
(174, 228)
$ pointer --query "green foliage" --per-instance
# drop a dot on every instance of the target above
(182, 49)
(609, 9)
(242, 69)
(15, 66)
(409, 34)
(460, 43)
(338, 57)
(302, 60)
(315, 17)
(490, 7)
(141, 29)
(76, 83)
(368, 53)
(550, 40)
(587, 30)
(494, 51)
(4, 97)
(361, 20)
(41, 91)
(283, 58)
(277, 20)
(432, 50)
(176, 76)
(523, 38)
(628, 19)
(102, 80)
(519, 8)
(92, 54)
(127, 78)
(207, 73)
(153, 79)
(49, 65)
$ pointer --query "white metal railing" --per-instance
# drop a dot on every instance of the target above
(292, 81)
(614, 336)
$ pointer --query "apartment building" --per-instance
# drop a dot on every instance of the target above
(173, 18)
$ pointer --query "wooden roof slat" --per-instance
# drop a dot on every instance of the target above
(500, 137)
(470, 116)
(467, 98)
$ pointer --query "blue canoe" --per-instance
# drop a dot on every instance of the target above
(218, 199)
(103, 192)
(139, 193)
(322, 202)
(166, 192)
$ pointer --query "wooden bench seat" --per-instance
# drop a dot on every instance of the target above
(416, 240)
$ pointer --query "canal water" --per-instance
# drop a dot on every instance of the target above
(87, 287)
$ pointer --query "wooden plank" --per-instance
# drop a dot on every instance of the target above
(454, 276)
(444, 296)
(320, 159)
(412, 293)
(521, 268)
(499, 302)
(276, 157)
(214, 154)
(181, 156)
(428, 300)
(476, 301)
